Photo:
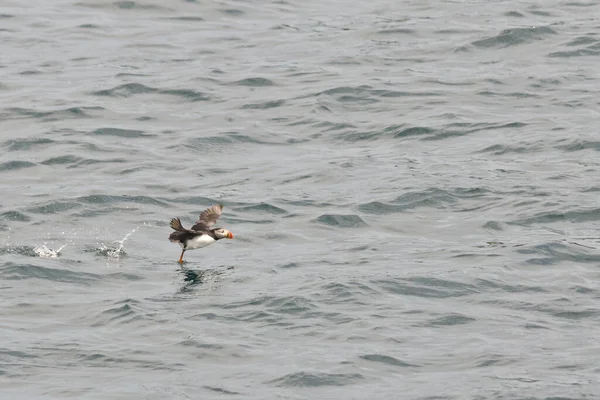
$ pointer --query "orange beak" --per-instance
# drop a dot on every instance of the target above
(230, 235)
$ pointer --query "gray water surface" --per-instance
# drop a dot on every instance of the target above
(412, 186)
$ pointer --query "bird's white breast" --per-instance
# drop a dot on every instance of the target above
(199, 241)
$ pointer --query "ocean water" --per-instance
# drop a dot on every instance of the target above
(413, 188)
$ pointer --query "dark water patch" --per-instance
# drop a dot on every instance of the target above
(492, 225)
(47, 116)
(26, 144)
(397, 31)
(413, 131)
(232, 11)
(92, 161)
(188, 94)
(54, 207)
(376, 207)
(394, 93)
(15, 165)
(577, 315)
(225, 138)
(290, 305)
(188, 18)
(554, 253)
(290, 265)
(426, 133)
(4, 352)
(548, 217)
(255, 82)
(91, 213)
(264, 106)
(61, 160)
(515, 14)
(426, 287)
(200, 345)
(451, 320)
(27, 251)
(108, 199)
(521, 95)
(451, 131)
(13, 271)
(14, 216)
(380, 358)
(578, 145)
(130, 5)
(433, 197)
(220, 390)
(124, 133)
(89, 26)
(575, 53)
(305, 379)
(341, 221)
(541, 13)
(582, 40)
(30, 72)
(122, 312)
(515, 36)
(198, 201)
(498, 149)
(126, 90)
(265, 207)
(336, 292)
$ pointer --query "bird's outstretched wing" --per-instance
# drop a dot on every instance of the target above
(208, 217)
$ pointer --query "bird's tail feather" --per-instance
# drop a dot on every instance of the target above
(176, 225)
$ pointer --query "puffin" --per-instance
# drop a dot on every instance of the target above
(201, 234)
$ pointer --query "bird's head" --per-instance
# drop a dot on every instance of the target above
(223, 233)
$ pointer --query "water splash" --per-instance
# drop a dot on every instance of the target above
(45, 252)
(115, 252)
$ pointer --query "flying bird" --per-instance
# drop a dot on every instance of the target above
(201, 234)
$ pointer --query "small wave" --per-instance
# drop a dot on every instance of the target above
(13, 271)
(189, 18)
(515, 36)
(14, 165)
(578, 145)
(26, 144)
(48, 116)
(451, 320)
(126, 90)
(61, 160)
(426, 287)
(54, 207)
(264, 106)
(305, 379)
(14, 216)
(220, 390)
(380, 358)
(433, 197)
(271, 209)
(575, 216)
(232, 11)
(255, 82)
(125, 133)
(341, 221)
(107, 199)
